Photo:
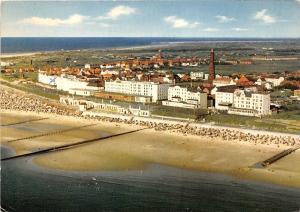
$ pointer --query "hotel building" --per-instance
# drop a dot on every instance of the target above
(76, 86)
(185, 98)
(157, 91)
(246, 101)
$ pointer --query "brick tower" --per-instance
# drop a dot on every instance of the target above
(212, 73)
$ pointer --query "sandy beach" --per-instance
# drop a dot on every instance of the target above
(25, 54)
(191, 146)
(138, 150)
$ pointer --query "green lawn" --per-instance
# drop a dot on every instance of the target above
(288, 121)
(176, 112)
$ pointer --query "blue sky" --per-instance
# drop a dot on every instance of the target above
(202, 18)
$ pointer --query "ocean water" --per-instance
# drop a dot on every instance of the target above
(27, 187)
(35, 44)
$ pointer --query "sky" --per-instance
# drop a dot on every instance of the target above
(186, 18)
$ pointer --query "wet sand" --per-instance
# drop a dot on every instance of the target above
(138, 150)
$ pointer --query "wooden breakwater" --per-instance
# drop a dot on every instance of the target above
(68, 146)
(50, 133)
(278, 156)
(22, 122)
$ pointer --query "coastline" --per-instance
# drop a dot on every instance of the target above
(160, 44)
(138, 47)
(138, 150)
(20, 54)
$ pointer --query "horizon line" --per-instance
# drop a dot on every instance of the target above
(180, 37)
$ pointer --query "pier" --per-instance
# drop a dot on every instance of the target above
(68, 146)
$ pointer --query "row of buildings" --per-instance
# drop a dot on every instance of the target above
(234, 99)
(237, 95)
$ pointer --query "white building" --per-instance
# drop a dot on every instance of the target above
(224, 97)
(206, 76)
(93, 108)
(168, 79)
(76, 86)
(115, 72)
(247, 101)
(264, 83)
(108, 66)
(157, 91)
(250, 103)
(46, 79)
(82, 92)
(275, 81)
(223, 81)
(185, 64)
(196, 75)
(183, 97)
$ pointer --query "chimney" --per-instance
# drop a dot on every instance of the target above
(212, 73)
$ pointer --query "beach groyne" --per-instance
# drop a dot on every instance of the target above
(22, 122)
(50, 133)
(68, 146)
(278, 156)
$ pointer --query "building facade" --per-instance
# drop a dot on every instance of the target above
(223, 99)
(183, 97)
(46, 79)
(250, 103)
(197, 75)
(264, 83)
(247, 101)
(275, 81)
(75, 86)
(93, 108)
(157, 91)
(222, 81)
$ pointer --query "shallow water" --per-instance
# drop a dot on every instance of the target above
(27, 187)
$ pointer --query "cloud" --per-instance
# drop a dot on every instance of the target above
(180, 22)
(71, 20)
(298, 1)
(101, 24)
(211, 30)
(262, 16)
(117, 12)
(113, 14)
(237, 29)
(224, 19)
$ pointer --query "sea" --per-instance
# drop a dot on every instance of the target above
(11, 45)
(28, 187)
